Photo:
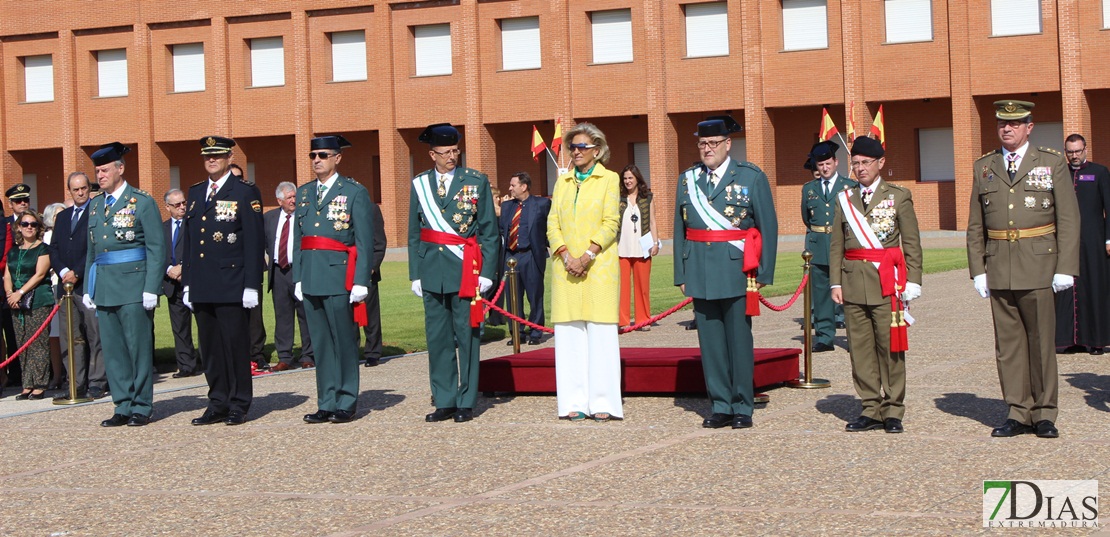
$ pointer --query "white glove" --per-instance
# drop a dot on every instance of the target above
(250, 298)
(416, 289)
(87, 301)
(913, 290)
(150, 301)
(1061, 282)
(358, 293)
(484, 284)
(981, 285)
(185, 299)
(297, 292)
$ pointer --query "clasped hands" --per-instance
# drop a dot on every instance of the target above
(576, 266)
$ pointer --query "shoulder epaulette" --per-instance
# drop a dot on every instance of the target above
(246, 181)
(198, 183)
(1049, 150)
(747, 164)
(989, 153)
(691, 168)
(141, 192)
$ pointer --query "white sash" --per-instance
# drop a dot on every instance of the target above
(431, 211)
(866, 236)
(713, 218)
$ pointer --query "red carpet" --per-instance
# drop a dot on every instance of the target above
(643, 370)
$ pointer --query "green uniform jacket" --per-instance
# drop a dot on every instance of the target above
(1041, 193)
(469, 212)
(715, 270)
(132, 222)
(818, 210)
(891, 215)
(343, 215)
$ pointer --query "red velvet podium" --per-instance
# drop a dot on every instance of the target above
(643, 370)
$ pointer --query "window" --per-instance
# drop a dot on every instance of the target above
(188, 67)
(267, 62)
(1106, 13)
(908, 21)
(612, 35)
(1047, 134)
(1015, 17)
(936, 151)
(520, 43)
(32, 180)
(38, 79)
(739, 150)
(175, 177)
(706, 30)
(348, 56)
(111, 72)
(433, 49)
(642, 159)
(805, 24)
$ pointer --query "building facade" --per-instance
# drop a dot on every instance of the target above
(158, 75)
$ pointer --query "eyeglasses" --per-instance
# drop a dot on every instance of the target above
(29, 224)
(711, 144)
(175, 205)
(582, 147)
(22, 200)
(864, 163)
(447, 152)
(1076, 152)
(322, 155)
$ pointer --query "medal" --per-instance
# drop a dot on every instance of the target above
(457, 218)
(231, 238)
(217, 236)
(462, 228)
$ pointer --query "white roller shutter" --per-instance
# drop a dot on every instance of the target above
(936, 151)
(642, 159)
(706, 30)
(612, 35)
(805, 24)
(38, 78)
(348, 56)
(520, 43)
(188, 67)
(1049, 134)
(1106, 13)
(1015, 17)
(908, 21)
(32, 180)
(111, 72)
(739, 149)
(175, 177)
(433, 49)
(267, 62)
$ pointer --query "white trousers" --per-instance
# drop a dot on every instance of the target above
(588, 368)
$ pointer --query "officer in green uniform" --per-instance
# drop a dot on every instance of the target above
(331, 272)
(1022, 246)
(451, 219)
(124, 277)
(818, 198)
(721, 208)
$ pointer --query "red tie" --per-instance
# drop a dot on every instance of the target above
(283, 244)
(212, 194)
(514, 229)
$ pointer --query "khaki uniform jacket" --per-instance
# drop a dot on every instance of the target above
(1041, 193)
(890, 214)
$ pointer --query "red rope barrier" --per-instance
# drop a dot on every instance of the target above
(5, 363)
(784, 307)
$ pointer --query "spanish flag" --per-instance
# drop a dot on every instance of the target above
(537, 144)
(877, 128)
(557, 138)
(852, 122)
(828, 128)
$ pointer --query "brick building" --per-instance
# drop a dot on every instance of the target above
(158, 75)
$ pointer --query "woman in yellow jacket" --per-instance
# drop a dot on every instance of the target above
(582, 231)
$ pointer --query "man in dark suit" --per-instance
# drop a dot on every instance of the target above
(222, 276)
(280, 246)
(523, 225)
(260, 360)
(68, 248)
(372, 350)
(181, 317)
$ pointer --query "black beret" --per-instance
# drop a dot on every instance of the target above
(809, 165)
(336, 143)
(109, 153)
(440, 134)
(868, 147)
(823, 151)
(216, 145)
(18, 192)
(717, 126)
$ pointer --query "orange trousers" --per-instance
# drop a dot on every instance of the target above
(638, 270)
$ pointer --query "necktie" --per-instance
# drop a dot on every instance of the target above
(1012, 164)
(825, 185)
(866, 196)
(442, 190)
(711, 179)
(111, 200)
(322, 189)
(212, 193)
(283, 244)
(173, 242)
(514, 229)
(73, 220)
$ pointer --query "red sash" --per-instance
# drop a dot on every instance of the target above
(753, 250)
(892, 278)
(472, 258)
(312, 242)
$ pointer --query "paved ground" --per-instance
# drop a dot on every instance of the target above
(516, 470)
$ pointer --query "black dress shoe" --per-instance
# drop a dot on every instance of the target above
(138, 420)
(36, 396)
(692, 326)
(235, 418)
(464, 414)
(717, 420)
(1012, 428)
(893, 425)
(741, 421)
(1047, 429)
(342, 416)
(115, 421)
(863, 423)
(840, 324)
(320, 416)
(533, 341)
(1097, 351)
(822, 347)
(209, 417)
(183, 374)
(97, 393)
(371, 362)
(441, 414)
(23, 396)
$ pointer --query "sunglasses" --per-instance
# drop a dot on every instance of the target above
(178, 204)
(22, 200)
(322, 155)
(29, 224)
(582, 146)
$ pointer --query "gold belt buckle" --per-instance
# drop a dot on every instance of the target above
(1012, 235)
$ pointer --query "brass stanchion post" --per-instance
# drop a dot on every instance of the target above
(513, 325)
(807, 381)
(67, 302)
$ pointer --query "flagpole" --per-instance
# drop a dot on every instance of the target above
(551, 156)
(850, 172)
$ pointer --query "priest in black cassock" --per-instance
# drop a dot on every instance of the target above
(1083, 312)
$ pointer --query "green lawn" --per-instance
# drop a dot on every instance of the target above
(403, 313)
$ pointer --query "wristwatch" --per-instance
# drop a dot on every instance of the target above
(591, 253)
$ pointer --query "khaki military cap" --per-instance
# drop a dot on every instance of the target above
(1011, 110)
